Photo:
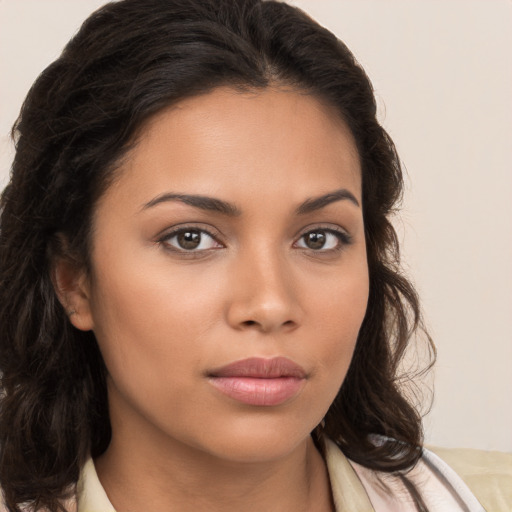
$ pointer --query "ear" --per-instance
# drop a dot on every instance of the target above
(72, 287)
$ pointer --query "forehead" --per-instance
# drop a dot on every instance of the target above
(233, 143)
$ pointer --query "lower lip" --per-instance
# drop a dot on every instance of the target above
(254, 391)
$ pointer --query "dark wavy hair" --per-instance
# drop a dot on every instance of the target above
(129, 60)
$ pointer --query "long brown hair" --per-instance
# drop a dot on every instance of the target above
(129, 60)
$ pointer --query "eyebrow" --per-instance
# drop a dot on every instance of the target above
(316, 203)
(223, 207)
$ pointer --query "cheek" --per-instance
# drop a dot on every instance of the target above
(152, 344)
(339, 317)
(148, 320)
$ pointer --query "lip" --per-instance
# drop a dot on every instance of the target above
(259, 381)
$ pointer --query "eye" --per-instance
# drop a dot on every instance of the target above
(323, 239)
(190, 240)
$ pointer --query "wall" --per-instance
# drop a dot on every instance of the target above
(443, 78)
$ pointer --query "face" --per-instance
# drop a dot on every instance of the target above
(229, 276)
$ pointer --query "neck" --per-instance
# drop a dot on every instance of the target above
(176, 477)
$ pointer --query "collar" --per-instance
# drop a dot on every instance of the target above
(90, 493)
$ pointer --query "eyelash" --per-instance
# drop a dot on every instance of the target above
(343, 237)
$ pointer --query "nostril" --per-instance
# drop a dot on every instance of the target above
(250, 323)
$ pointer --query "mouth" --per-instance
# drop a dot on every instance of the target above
(259, 381)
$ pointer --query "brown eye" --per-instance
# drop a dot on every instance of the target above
(191, 240)
(324, 240)
(315, 239)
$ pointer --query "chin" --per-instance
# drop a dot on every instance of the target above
(259, 442)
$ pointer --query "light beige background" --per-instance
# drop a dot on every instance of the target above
(442, 72)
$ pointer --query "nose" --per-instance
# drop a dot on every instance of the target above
(263, 294)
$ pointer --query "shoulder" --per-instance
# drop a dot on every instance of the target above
(440, 487)
(487, 473)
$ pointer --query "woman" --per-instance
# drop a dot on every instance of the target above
(201, 305)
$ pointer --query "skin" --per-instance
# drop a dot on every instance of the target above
(165, 317)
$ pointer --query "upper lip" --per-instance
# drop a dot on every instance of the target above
(261, 368)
